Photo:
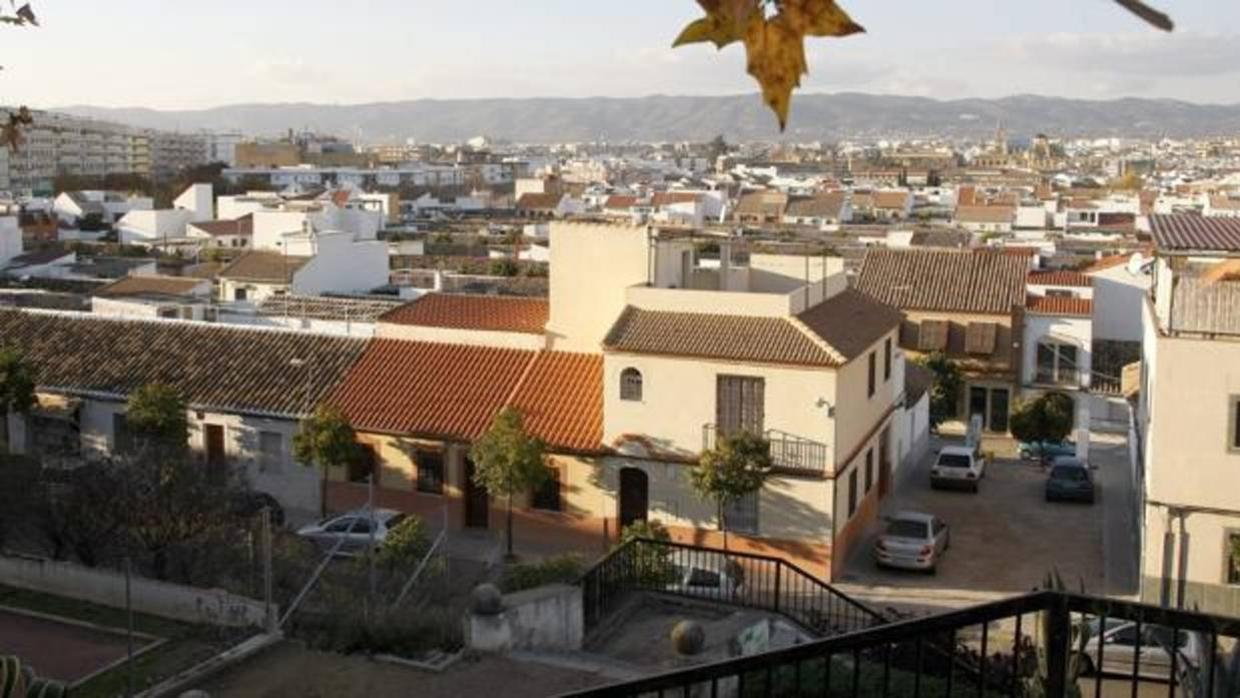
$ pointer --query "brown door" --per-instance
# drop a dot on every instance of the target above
(740, 403)
(477, 503)
(217, 459)
(634, 496)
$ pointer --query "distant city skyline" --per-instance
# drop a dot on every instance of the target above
(137, 53)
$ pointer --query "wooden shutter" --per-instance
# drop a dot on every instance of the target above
(933, 335)
(740, 404)
(980, 338)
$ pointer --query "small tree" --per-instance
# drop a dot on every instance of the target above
(945, 390)
(17, 384)
(1050, 417)
(653, 566)
(156, 413)
(327, 439)
(509, 460)
(736, 467)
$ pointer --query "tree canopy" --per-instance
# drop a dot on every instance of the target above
(157, 412)
(945, 391)
(1049, 417)
(17, 383)
(736, 467)
(509, 460)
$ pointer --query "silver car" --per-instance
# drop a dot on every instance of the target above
(708, 578)
(1120, 650)
(352, 530)
(912, 541)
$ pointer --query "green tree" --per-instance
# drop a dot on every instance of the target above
(326, 439)
(509, 460)
(156, 413)
(404, 546)
(945, 390)
(736, 467)
(652, 565)
(17, 384)
(1049, 417)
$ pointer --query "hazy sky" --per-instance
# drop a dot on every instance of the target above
(201, 54)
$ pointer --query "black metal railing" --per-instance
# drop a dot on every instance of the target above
(742, 579)
(789, 452)
(1047, 644)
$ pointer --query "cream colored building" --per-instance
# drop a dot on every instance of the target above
(1188, 419)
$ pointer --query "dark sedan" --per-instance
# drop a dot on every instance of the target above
(1070, 479)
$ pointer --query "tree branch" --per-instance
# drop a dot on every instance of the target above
(1147, 13)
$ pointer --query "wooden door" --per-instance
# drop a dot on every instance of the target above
(217, 457)
(634, 496)
(477, 501)
(740, 405)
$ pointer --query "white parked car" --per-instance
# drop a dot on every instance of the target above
(353, 529)
(709, 579)
(958, 466)
(912, 541)
(1120, 651)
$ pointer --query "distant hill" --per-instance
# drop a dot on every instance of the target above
(664, 118)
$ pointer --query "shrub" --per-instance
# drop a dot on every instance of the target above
(564, 569)
(404, 546)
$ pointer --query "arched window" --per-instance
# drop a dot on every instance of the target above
(631, 384)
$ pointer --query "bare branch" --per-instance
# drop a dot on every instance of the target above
(1147, 13)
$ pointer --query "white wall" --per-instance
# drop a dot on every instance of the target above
(1072, 330)
(147, 227)
(10, 239)
(198, 200)
(592, 266)
(1118, 299)
(343, 266)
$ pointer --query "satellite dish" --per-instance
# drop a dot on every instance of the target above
(1137, 264)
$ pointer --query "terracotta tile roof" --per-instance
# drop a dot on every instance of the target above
(1224, 202)
(985, 214)
(471, 312)
(1058, 305)
(223, 367)
(1183, 231)
(824, 205)
(264, 267)
(850, 322)
(765, 203)
(944, 280)
(531, 201)
(561, 399)
(728, 337)
(152, 286)
(620, 202)
(1060, 278)
(237, 226)
(891, 199)
(667, 198)
(445, 391)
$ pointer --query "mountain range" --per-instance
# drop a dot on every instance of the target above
(825, 117)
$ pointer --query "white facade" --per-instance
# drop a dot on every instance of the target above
(10, 239)
(1119, 296)
(340, 265)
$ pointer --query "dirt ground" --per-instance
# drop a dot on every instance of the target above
(60, 651)
(291, 671)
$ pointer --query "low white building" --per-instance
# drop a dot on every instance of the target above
(312, 264)
(10, 239)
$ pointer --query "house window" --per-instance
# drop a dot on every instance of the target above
(239, 294)
(364, 465)
(547, 496)
(1233, 425)
(741, 516)
(1232, 557)
(430, 472)
(980, 337)
(869, 469)
(932, 335)
(852, 492)
(887, 360)
(1056, 363)
(270, 451)
(740, 404)
(631, 385)
(873, 375)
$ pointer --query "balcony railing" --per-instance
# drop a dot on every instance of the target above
(1064, 377)
(1044, 644)
(789, 453)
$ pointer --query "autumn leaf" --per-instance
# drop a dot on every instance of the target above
(725, 22)
(774, 46)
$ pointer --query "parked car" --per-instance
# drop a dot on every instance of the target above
(353, 529)
(912, 541)
(1118, 643)
(1045, 450)
(958, 466)
(708, 578)
(1070, 479)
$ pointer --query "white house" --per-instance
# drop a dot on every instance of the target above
(147, 227)
(10, 239)
(74, 207)
(311, 264)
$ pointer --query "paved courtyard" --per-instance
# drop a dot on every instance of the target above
(1007, 538)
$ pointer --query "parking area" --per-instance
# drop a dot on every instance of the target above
(1004, 539)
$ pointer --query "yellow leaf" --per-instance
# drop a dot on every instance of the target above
(818, 18)
(724, 23)
(776, 58)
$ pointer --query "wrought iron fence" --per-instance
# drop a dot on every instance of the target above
(789, 452)
(1046, 644)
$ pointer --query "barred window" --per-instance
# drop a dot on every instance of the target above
(631, 385)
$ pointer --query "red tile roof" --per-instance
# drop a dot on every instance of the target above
(1060, 278)
(531, 201)
(237, 226)
(446, 391)
(1185, 231)
(944, 280)
(561, 399)
(667, 198)
(467, 312)
(617, 201)
(1058, 305)
(985, 214)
